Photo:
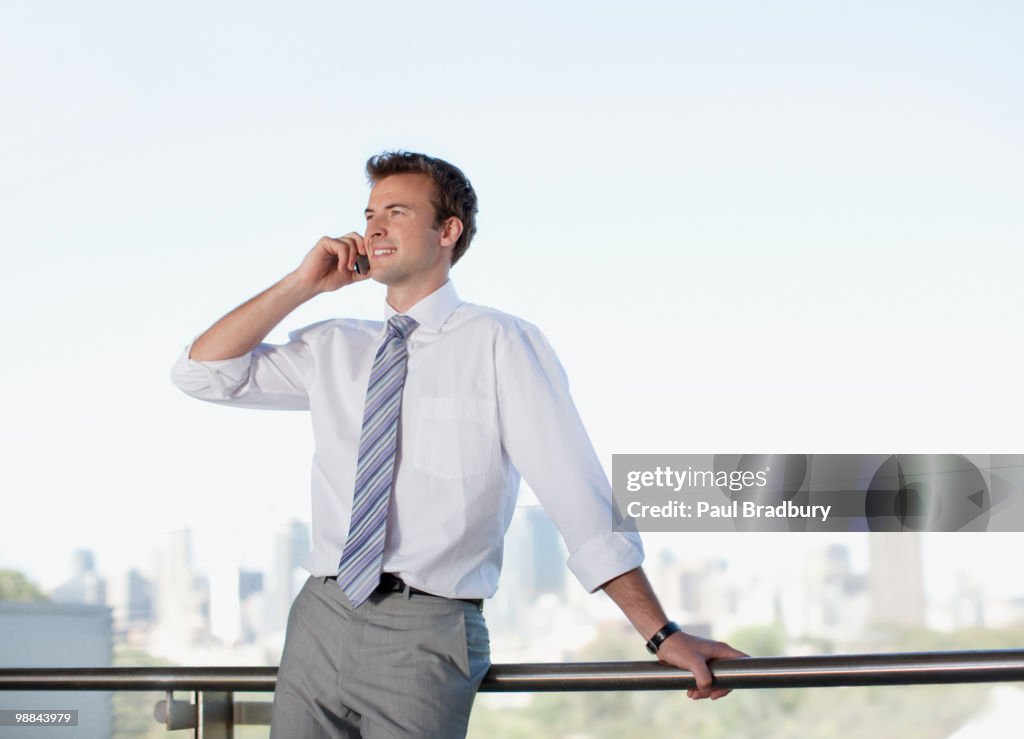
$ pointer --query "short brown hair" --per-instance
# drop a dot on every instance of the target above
(455, 195)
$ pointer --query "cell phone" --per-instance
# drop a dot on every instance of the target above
(362, 265)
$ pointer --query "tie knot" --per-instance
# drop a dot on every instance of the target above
(401, 325)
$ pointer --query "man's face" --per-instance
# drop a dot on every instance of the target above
(402, 242)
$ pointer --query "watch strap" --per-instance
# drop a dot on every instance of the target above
(654, 643)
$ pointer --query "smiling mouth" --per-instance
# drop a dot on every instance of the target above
(383, 252)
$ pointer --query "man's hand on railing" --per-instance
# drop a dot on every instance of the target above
(689, 652)
(632, 592)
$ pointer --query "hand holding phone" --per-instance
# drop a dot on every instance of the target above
(331, 264)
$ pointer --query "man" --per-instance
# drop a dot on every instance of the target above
(422, 429)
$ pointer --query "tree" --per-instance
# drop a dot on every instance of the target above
(15, 586)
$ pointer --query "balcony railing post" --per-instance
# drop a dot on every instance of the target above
(216, 715)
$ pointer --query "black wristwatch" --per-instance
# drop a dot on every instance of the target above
(662, 634)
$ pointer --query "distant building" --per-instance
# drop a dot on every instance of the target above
(968, 606)
(896, 579)
(130, 597)
(249, 583)
(140, 599)
(85, 585)
(545, 571)
(222, 566)
(182, 605)
(533, 568)
(57, 635)
(834, 599)
(290, 548)
(253, 604)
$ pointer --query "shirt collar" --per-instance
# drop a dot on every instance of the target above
(432, 311)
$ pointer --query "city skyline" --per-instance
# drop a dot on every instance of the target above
(528, 576)
(943, 553)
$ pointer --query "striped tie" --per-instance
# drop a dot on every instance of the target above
(359, 569)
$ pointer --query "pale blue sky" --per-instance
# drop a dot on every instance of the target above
(746, 227)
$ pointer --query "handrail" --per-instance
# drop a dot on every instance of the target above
(902, 668)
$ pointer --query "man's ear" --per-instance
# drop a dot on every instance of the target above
(451, 230)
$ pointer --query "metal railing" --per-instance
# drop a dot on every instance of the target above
(213, 712)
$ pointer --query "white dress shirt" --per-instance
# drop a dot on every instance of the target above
(485, 400)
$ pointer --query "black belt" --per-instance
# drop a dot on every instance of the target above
(393, 584)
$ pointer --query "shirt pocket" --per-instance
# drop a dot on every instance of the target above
(454, 437)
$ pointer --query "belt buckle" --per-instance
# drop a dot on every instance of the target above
(392, 583)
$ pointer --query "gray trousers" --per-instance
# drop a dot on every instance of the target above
(400, 665)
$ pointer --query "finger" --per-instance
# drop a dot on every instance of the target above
(352, 238)
(352, 243)
(329, 245)
(360, 250)
(702, 676)
(720, 693)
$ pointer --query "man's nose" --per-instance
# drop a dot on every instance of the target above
(376, 228)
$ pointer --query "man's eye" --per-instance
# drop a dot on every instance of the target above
(368, 217)
(396, 212)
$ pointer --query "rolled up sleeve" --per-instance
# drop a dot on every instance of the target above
(544, 438)
(272, 377)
